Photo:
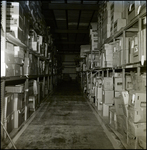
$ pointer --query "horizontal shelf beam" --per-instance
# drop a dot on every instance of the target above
(71, 6)
(70, 31)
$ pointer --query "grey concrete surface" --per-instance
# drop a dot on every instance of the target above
(65, 122)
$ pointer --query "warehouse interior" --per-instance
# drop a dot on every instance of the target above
(73, 74)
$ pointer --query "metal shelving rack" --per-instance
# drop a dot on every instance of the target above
(46, 77)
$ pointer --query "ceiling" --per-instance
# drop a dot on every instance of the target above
(69, 21)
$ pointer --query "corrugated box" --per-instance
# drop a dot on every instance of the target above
(137, 115)
(108, 97)
(133, 10)
(118, 84)
(137, 99)
(14, 21)
(19, 52)
(19, 117)
(128, 84)
(137, 129)
(108, 83)
(15, 8)
(119, 106)
(9, 103)
(117, 94)
(12, 70)
(18, 101)
(33, 46)
(106, 109)
(15, 89)
(117, 6)
(118, 24)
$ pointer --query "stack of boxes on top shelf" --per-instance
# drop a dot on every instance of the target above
(92, 59)
(117, 22)
(14, 109)
(107, 56)
(106, 24)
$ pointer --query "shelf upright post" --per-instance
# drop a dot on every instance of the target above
(38, 99)
(26, 96)
(3, 23)
(139, 38)
(123, 69)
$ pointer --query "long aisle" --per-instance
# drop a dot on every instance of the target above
(64, 122)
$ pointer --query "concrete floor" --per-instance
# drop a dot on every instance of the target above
(65, 122)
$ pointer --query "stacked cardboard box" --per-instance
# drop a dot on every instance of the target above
(107, 55)
(116, 10)
(136, 117)
(108, 94)
(14, 19)
(106, 21)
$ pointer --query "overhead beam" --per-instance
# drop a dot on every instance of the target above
(72, 7)
(71, 43)
(70, 31)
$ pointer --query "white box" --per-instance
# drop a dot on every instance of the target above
(15, 89)
(137, 115)
(118, 84)
(108, 83)
(117, 94)
(117, 6)
(137, 129)
(106, 109)
(108, 97)
(33, 45)
(129, 84)
(118, 24)
(137, 99)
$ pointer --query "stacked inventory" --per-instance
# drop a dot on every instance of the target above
(121, 53)
(108, 94)
(26, 62)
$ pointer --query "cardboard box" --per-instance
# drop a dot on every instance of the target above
(15, 8)
(137, 115)
(118, 84)
(108, 83)
(137, 129)
(13, 70)
(15, 89)
(108, 97)
(115, 16)
(125, 96)
(19, 102)
(132, 11)
(10, 48)
(106, 109)
(112, 118)
(14, 21)
(137, 99)
(119, 106)
(117, 94)
(99, 104)
(19, 117)
(117, 6)
(118, 24)
(9, 103)
(128, 84)
(33, 46)
(9, 58)
(19, 52)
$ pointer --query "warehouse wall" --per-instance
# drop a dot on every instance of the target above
(69, 65)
